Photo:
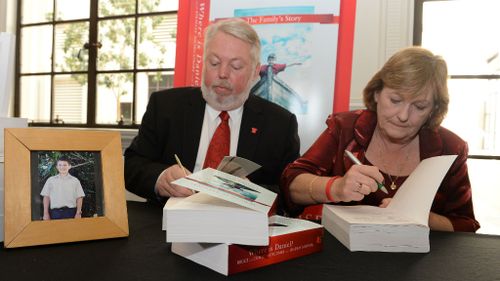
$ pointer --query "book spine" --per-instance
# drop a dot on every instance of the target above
(280, 248)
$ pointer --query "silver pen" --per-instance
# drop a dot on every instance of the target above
(356, 161)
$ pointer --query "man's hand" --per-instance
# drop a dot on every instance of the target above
(164, 187)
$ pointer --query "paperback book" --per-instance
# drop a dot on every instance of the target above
(204, 218)
(403, 225)
(226, 209)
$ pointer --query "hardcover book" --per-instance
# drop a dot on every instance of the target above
(403, 225)
(289, 238)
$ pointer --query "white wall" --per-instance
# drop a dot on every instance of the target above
(382, 28)
(8, 16)
(8, 24)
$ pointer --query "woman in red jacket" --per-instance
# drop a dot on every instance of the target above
(406, 102)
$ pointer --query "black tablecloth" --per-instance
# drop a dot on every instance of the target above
(145, 255)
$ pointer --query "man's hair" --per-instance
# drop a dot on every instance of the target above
(414, 70)
(237, 28)
(63, 158)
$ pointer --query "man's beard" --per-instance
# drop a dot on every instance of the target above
(222, 102)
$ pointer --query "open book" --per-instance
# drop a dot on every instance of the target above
(226, 209)
(403, 225)
(288, 239)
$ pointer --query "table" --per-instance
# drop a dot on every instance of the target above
(145, 255)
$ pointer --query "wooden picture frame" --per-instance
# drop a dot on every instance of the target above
(20, 229)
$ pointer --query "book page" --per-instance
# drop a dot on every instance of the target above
(230, 188)
(414, 198)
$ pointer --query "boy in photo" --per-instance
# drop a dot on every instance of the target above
(62, 194)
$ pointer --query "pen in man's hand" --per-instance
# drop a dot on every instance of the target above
(182, 167)
(180, 164)
(356, 161)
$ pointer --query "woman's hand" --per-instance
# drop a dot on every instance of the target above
(359, 181)
(385, 202)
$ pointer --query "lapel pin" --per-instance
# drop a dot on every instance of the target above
(254, 130)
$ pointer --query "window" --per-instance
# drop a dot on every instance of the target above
(92, 63)
(465, 33)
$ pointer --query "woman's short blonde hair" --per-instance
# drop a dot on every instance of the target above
(413, 70)
(238, 28)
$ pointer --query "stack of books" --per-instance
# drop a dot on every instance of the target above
(229, 225)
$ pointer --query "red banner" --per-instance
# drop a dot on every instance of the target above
(193, 17)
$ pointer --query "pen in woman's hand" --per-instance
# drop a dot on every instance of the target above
(356, 161)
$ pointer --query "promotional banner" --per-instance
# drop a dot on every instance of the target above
(306, 54)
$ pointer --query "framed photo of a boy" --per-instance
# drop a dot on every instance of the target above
(66, 185)
(63, 186)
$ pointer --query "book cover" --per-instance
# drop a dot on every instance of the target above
(289, 239)
(230, 188)
(403, 225)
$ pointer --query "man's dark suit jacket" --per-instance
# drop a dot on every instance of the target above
(172, 125)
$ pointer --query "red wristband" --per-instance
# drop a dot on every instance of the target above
(328, 188)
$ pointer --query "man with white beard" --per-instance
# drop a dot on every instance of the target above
(182, 121)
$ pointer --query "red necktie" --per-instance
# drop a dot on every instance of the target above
(219, 145)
